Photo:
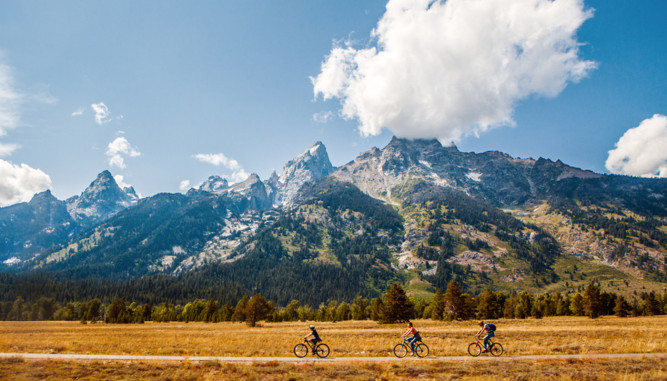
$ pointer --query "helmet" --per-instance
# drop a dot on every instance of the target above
(481, 323)
(312, 327)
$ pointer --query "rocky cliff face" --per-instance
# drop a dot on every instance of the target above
(310, 165)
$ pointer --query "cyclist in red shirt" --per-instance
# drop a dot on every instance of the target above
(415, 336)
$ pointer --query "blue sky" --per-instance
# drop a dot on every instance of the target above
(165, 94)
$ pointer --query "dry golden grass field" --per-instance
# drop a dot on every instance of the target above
(543, 370)
(558, 335)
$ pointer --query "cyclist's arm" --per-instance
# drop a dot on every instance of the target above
(480, 332)
(310, 334)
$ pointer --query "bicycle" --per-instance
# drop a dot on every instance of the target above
(401, 350)
(301, 350)
(475, 349)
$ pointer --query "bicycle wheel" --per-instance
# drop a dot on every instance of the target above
(322, 350)
(400, 350)
(496, 349)
(421, 350)
(300, 350)
(474, 349)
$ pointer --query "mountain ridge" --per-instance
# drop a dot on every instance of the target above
(486, 219)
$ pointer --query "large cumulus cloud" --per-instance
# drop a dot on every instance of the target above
(455, 68)
(18, 183)
(642, 150)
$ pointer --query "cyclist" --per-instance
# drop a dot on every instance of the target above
(415, 336)
(315, 339)
(490, 329)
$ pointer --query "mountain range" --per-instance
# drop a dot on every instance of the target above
(414, 212)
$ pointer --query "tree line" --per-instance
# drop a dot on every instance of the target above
(394, 306)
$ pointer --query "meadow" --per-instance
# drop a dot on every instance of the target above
(515, 370)
(553, 335)
(354, 339)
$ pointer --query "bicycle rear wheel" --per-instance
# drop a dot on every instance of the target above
(322, 350)
(474, 349)
(300, 350)
(496, 349)
(421, 350)
(400, 350)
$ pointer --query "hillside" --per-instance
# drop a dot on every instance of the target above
(414, 212)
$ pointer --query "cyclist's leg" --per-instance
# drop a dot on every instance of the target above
(412, 341)
(487, 344)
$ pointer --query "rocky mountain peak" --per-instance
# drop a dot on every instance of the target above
(42, 197)
(310, 165)
(214, 184)
(102, 199)
(253, 191)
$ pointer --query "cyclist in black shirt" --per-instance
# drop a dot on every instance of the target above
(315, 339)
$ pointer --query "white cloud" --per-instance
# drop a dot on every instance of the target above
(7, 149)
(9, 116)
(117, 149)
(455, 68)
(102, 113)
(323, 117)
(184, 186)
(218, 159)
(77, 112)
(18, 183)
(120, 180)
(642, 150)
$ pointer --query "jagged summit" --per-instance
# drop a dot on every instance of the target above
(45, 196)
(495, 176)
(214, 184)
(311, 164)
(100, 200)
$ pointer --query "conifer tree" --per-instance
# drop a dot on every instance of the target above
(376, 309)
(592, 301)
(621, 308)
(240, 309)
(455, 303)
(210, 311)
(438, 304)
(397, 307)
(577, 305)
(256, 309)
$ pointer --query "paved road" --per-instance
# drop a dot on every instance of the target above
(39, 356)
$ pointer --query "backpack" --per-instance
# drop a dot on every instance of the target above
(491, 327)
(417, 336)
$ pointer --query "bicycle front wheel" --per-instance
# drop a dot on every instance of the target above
(421, 350)
(322, 350)
(400, 350)
(300, 350)
(496, 349)
(474, 349)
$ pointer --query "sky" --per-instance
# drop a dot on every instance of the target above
(166, 93)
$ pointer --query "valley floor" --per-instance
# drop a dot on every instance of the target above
(642, 368)
(350, 341)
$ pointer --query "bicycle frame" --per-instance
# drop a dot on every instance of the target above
(311, 347)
